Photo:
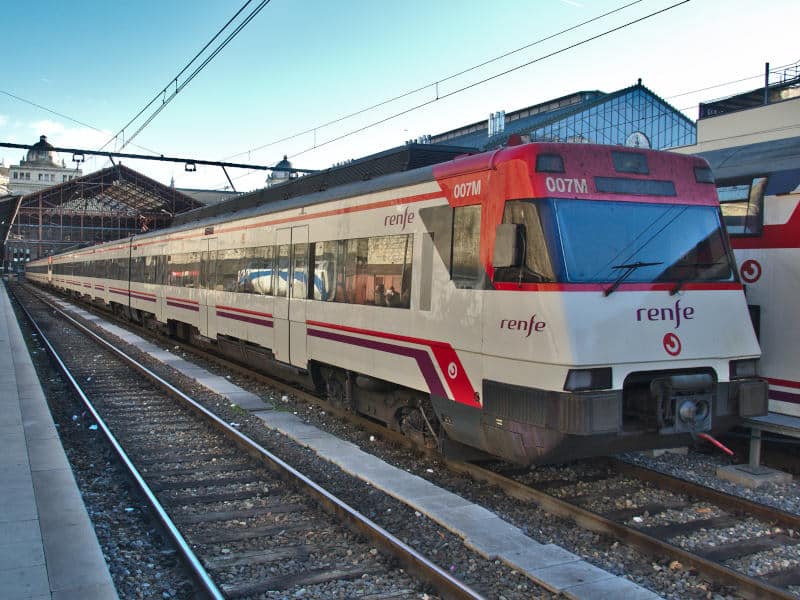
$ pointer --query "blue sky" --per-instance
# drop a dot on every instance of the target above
(303, 63)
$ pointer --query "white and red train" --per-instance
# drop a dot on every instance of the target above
(759, 189)
(539, 303)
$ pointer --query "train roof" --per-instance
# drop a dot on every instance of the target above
(396, 160)
(754, 159)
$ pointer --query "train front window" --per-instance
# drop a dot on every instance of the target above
(537, 265)
(599, 241)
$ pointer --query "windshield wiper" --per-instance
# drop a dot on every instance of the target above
(629, 268)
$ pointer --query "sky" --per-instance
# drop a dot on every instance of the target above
(80, 71)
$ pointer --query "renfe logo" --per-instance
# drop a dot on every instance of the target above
(404, 219)
(672, 344)
(671, 313)
(529, 325)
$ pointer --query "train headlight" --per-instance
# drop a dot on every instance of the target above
(581, 380)
(743, 368)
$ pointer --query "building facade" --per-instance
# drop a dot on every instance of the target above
(39, 170)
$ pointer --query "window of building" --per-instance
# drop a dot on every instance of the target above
(742, 204)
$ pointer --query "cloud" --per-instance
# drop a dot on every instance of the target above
(61, 135)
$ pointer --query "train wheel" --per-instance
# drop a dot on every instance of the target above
(415, 425)
(336, 387)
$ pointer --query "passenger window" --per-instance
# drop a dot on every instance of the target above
(742, 204)
(244, 270)
(355, 261)
(299, 285)
(467, 271)
(374, 271)
(281, 279)
(228, 264)
(183, 270)
(153, 269)
(387, 271)
(326, 270)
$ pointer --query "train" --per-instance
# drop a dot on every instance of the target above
(536, 303)
(759, 189)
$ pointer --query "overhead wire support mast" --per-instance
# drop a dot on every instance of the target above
(189, 162)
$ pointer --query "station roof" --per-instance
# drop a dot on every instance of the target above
(8, 208)
(117, 189)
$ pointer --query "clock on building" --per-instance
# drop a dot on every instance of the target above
(637, 140)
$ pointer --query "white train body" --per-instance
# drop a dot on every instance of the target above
(424, 295)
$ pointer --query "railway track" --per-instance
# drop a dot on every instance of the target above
(653, 512)
(662, 515)
(245, 522)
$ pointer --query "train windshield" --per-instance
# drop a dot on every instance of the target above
(587, 241)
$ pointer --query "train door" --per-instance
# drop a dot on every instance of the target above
(291, 295)
(208, 322)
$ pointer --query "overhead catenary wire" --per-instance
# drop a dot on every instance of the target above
(408, 93)
(65, 116)
(491, 78)
(469, 86)
(165, 100)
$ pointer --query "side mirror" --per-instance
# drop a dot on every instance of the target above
(506, 245)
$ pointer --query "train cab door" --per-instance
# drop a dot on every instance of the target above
(291, 295)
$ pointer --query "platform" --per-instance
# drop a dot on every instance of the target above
(753, 474)
(549, 565)
(48, 547)
(776, 423)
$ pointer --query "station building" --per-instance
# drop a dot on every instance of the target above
(39, 169)
(632, 116)
(109, 204)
